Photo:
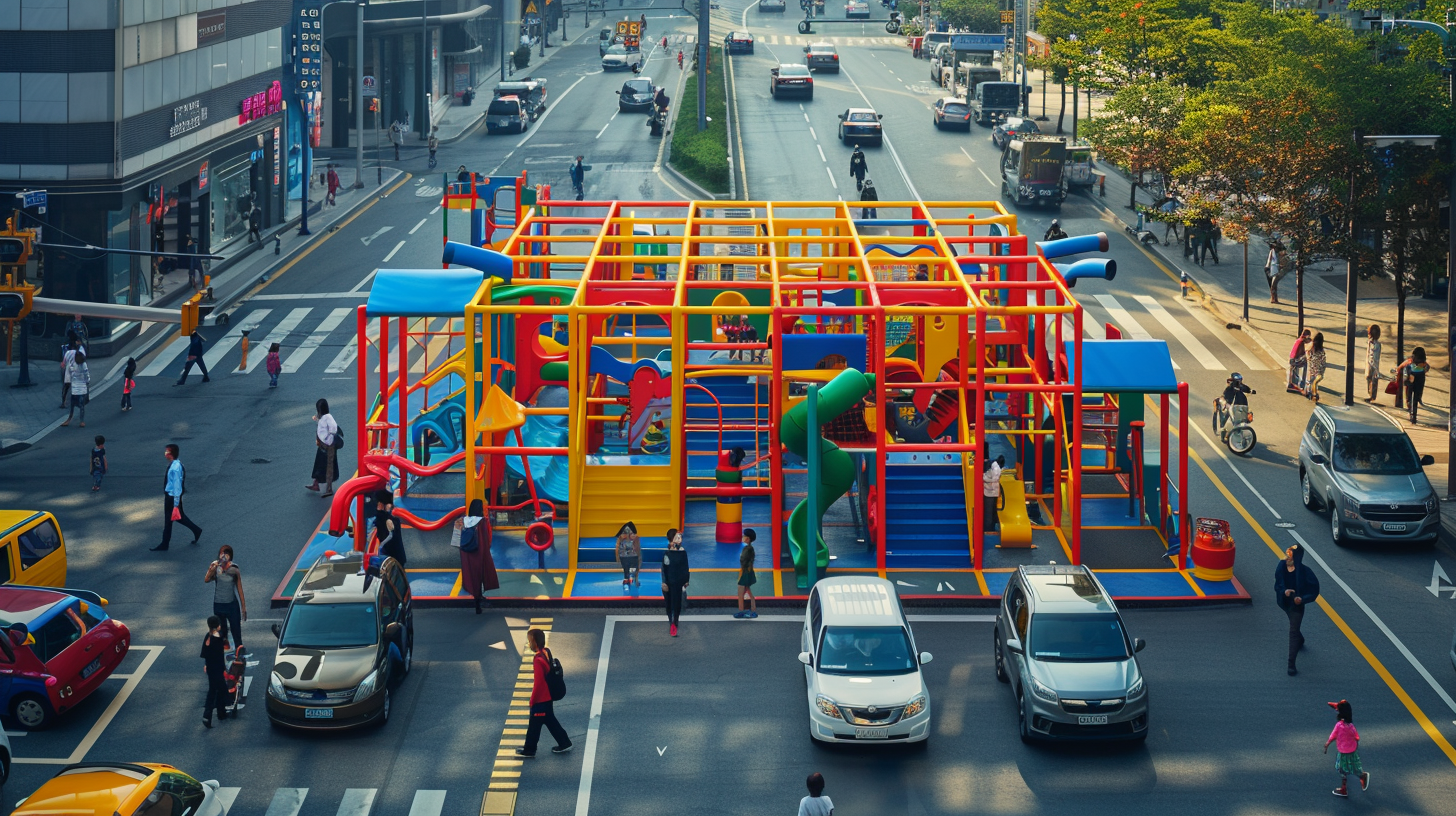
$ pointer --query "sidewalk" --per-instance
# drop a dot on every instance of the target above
(28, 414)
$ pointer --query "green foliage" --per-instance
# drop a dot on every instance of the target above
(1139, 126)
(703, 156)
(972, 15)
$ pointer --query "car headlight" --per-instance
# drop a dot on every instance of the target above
(275, 686)
(1352, 515)
(1043, 691)
(916, 706)
(366, 688)
(828, 708)
(1432, 505)
(1136, 690)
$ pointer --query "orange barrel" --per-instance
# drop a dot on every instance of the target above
(1213, 550)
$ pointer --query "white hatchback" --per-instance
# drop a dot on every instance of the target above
(860, 664)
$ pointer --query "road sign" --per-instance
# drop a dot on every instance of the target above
(32, 198)
(629, 27)
(370, 89)
(1008, 17)
(308, 52)
(978, 42)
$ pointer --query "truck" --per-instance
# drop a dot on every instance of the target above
(991, 102)
(1033, 171)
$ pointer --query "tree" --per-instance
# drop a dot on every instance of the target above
(972, 15)
(1139, 130)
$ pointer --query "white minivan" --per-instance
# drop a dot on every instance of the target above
(861, 666)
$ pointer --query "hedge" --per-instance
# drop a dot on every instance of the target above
(703, 157)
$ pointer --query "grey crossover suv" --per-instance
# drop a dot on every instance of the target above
(1061, 645)
(1358, 465)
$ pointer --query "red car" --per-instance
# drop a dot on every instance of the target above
(56, 647)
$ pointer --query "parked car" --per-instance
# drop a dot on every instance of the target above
(861, 667)
(636, 95)
(57, 647)
(32, 549)
(345, 642)
(123, 789)
(506, 114)
(620, 58)
(738, 42)
(856, 10)
(606, 38)
(1061, 645)
(531, 92)
(1013, 128)
(821, 56)
(1360, 467)
(772, 6)
(952, 111)
(861, 125)
(790, 79)
(932, 41)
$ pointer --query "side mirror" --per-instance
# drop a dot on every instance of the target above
(806, 658)
(394, 632)
(1138, 644)
(277, 630)
(1013, 645)
(618, 93)
(841, 117)
(1428, 460)
(1319, 459)
(806, 49)
(926, 657)
(879, 116)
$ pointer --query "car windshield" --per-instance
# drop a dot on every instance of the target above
(618, 50)
(793, 71)
(1385, 454)
(504, 107)
(859, 650)
(1077, 637)
(638, 86)
(324, 625)
(862, 117)
(955, 107)
(821, 48)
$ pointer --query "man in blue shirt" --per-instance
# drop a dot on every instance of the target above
(176, 485)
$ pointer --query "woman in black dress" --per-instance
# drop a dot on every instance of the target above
(386, 528)
(675, 575)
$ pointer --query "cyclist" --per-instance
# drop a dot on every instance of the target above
(434, 145)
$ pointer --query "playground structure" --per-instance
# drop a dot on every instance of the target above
(575, 385)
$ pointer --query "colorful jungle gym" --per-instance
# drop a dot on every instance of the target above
(580, 365)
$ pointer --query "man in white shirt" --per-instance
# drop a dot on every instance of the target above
(816, 803)
(991, 493)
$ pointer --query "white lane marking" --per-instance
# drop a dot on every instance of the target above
(226, 797)
(1199, 351)
(1415, 664)
(417, 226)
(132, 681)
(349, 295)
(890, 146)
(610, 119)
(357, 802)
(315, 339)
(361, 284)
(428, 803)
(1221, 332)
(397, 248)
(370, 239)
(812, 134)
(986, 177)
(806, 117)
(437, 209)
(287, 802)
(280, 333)
(542, 120)
(213, 356)
(831, 177)
(594, 721)
(968, 156)
(821, 154)
(1219, 449)
(161, 362)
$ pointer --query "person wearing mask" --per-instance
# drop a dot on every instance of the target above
(228, 600)
(1295, 588)
(858, 168)
(1234, 393)
(386, 528)
(991, 493)
(629, 555)
(174, 487)
(325, 457)
(1055, 231)
(675, 576)
(477, 568)
(543, 711)
(215, 666)
(869, 193)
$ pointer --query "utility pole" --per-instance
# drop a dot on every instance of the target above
(703, 35)
(359, 95)
(425, 116)
(1352, 277)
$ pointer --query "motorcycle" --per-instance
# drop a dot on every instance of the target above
(1235, 426)
(893, 25)
(657, 121)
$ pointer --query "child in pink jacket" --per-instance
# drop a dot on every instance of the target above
(274, 364)
(1347, 742)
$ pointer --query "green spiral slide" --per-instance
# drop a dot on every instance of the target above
(836, 468)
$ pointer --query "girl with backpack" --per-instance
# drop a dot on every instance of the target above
(542, 710)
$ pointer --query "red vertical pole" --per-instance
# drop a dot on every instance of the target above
(776, 465)
(1164, 500)
(978, 535)
(361, 325)
(1183, 474)
(403, 393)
(1076, 491)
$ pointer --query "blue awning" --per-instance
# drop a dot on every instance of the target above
(422, 292)
(1126, 366)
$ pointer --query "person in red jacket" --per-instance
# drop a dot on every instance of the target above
(542, 712)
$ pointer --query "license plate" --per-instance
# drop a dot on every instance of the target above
(873, 733)
(328, 714)
(1393, 528)
(91, 669)
(1092, 719)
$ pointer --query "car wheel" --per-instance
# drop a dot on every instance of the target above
(4, 769)
(30, 712)
(772, 89)
(1023, 726)
(1306, 492)
(1000, 659)
(384, 710)
(1337, 530)
(409, 659)
(841, 134)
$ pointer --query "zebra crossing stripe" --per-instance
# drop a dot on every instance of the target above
(428, 803)
(357, 802)
(286, 802)
(226, 797)
(315, 339)
(278, 335)
(1123, 319)
(1199, 351)
(213, 356)
(1245, 356)
(161, 362)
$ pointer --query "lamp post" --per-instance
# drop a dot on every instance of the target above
(424, 72)
(359, 96)
(306, 158)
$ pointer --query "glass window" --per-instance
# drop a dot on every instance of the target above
(52, 638)
(5, 576)
(859, 650)
(1321, 436)
(1385, 454)
(322, 625)
(862, 117)
(1016, 605)
(504, 107)
(388, 602)
(38, 542)
(400, 581)
(232, 188)
(1077, 637)
(176, 794)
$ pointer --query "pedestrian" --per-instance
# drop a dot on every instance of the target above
(675, 576)
(1168, 213)
(175, 486)
(76, 330)
(128, 383)
(255, 224)
(1210, 234)
(543, 711)
(868, 193)
(326, 450)
(1414, 379)
(1347, 744)
(477, 568)
(274, 364)
(578, 179)
(991, 493)
(1295, 588)
(396, 137)
(679, 59)
(816, 803)
(80, 387)
(750, 335)
(1372, 361)
(462, 176)
(189, 257)
(390, 541)
(629, 555)
(214, 666)
(228, 600)
(747, 577)
(98, 463)
(858, 167)
(334, 185)
(194, 358)
(433, 145)
(1298, 363)
(72, 347)
(1316, 366)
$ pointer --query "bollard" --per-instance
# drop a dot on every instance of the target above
(1102, 185)
(1183, 281)
(243, 363)
(277, 244)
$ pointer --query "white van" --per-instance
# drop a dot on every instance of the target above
(861, 666)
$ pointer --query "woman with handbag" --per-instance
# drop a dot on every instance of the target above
(477, 568)
(1372, 361)
(1412, 374)
(326, 458)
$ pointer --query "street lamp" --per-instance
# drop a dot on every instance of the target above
(359, 95)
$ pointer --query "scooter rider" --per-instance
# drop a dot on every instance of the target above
(1234, 394)
(1054, 232)
(661, 100)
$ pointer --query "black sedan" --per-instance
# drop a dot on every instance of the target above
(952, 111)
(861, 125)
(738, 42)
(1013, 128)
(790, 79)
(635, 95)
(772, 6)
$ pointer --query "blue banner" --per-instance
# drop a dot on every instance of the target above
(978, 42)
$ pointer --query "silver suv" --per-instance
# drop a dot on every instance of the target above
(1358, 465)
(1061, 645)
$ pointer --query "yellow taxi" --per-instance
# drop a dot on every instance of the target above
(32, 549)
(123, 789)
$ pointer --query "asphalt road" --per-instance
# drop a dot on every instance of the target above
(1232, 733)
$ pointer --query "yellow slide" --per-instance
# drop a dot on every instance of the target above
(1015, 526)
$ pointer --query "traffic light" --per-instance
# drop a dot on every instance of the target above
(374, 105)
(12, 306)
(14, 249)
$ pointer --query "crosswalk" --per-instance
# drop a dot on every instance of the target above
(1183, 342)
(354, 802)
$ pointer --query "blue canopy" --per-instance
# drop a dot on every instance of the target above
(1126, 366)
(422, 292)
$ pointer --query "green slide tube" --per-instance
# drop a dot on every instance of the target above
(499, 294)
(836, 468)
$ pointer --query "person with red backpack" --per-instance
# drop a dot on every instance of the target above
(547, 671)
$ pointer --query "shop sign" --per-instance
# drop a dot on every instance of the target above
(262, 104)
(308, 42)
(202, 177)
(211, 27)
(187, 117)
(277, 158)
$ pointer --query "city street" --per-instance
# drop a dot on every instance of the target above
(715, 721)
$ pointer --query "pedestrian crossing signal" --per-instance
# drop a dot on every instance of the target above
(374, 105)
(13, 306)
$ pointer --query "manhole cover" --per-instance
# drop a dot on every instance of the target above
(1284, 525)
(261, 461)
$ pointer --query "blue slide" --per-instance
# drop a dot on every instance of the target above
(552, 473)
